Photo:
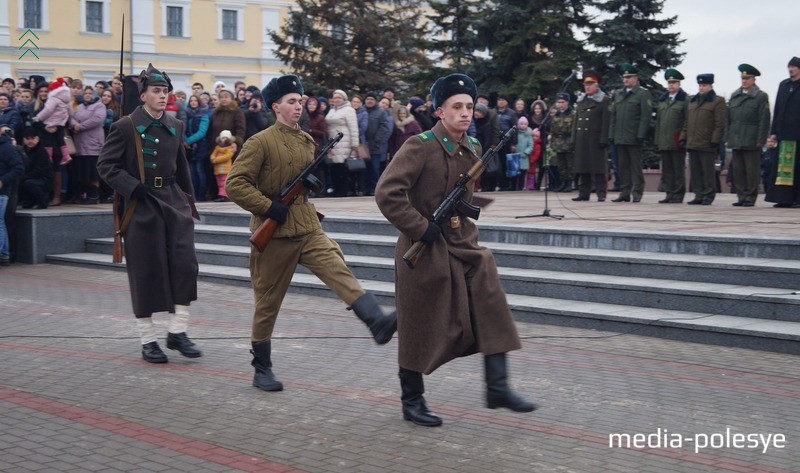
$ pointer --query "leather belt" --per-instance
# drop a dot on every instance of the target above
(159, 181)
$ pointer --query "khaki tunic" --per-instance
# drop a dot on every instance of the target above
(705, 122)
(451, 304)
(159, 242)
(669, 120)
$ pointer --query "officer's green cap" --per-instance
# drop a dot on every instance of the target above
(673, 75)
(628, 70)
(748, 71)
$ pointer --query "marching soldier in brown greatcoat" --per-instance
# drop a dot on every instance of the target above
(159, 240)
(590, 137)
(268, 162)
(452, 304)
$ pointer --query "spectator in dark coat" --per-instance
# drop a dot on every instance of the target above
(38, 178)
(9, 115)
(405, 126)
(254, 116)
(420, 111)
(11, 170)
(226, 116)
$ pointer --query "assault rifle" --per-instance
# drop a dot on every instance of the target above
(455, 201)
(263, 234)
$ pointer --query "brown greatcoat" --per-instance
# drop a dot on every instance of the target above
(440, 317)
(159, 242)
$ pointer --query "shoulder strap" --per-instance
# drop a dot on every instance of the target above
(426, 136)
(126, 217)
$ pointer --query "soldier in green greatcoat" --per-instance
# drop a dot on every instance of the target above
(747, 130)
(669, 123)
(590, 138)
(702, 131)
(561, 142)
(630, 120)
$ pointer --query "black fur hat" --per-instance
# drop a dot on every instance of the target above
(454, 84)
(280, 86)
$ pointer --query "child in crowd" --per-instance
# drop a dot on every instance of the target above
(524, 148)
(35, 186)
(221, 158)
(54, 116)
(534, 159)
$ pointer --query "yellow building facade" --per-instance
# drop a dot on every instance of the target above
(193, 40)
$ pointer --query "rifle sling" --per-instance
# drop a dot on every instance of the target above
(126, 217)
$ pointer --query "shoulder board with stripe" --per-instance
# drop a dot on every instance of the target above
(426, 136)
(474, 140)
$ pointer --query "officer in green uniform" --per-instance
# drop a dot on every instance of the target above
(702, 131)
(746, 133)
(561, 141)
(269, 160)
(630, 120)
(669, 123)
(590, 136)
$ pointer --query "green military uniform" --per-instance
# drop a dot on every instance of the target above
(702, 131)
(670, 117)
(590, 138)
(630, 121)
(561, 142)
(748, 123)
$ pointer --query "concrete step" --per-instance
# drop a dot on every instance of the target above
(750, 332)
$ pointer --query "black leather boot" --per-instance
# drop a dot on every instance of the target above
(414, 407)
(498, 394)
(152, 353)
(382, 325)
(263, 378)
(180, 342)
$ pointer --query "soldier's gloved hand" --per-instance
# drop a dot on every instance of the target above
(431, 233)
(682, 145)
(140, 192)
(277, 211)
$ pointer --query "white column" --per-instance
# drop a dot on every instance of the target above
(5, 32)
(143, 26)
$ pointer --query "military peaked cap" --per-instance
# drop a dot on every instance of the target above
(280, 86)
(454, 84)
(590, 76)
(748, 71)
(562, 96)
(628, 70)
(152, 76)
(673, 75)
(705, 78)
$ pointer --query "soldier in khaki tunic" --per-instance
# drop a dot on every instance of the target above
(746, 134)
(702, 133)
(630, 120)
(590, 138)
(561, 142)
(159, 241)
(269, 160)
(451, 304)
(669, 123)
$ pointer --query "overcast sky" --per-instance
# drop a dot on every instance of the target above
(721, 34)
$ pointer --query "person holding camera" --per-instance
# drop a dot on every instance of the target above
(255, 116)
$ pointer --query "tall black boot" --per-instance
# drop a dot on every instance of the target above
(381, 325)
(414, 407)
(264, 378)
(498, 394)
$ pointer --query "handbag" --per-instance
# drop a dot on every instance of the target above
(70, 145)
(355, 164)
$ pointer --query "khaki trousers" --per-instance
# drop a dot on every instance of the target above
(673, 170)
(746, 173)
(271, 273)
(703, 173)
(630, 171)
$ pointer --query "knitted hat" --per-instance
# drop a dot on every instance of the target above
(416, 102)
(795, 61)
(341, 93)
(226, 134)
(280, 86)
(522, 121)
(56, 84)
(454, 84)
(30, 131)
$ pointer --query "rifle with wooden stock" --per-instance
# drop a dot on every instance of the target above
(116, 255)
(455, 199)
(305, 180)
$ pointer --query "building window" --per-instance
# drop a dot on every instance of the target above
(33, 14)
(229, 25)
(94, 17)
(175, 21)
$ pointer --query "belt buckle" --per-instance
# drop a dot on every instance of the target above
(158, 182)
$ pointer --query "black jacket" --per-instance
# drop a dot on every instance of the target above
(786, 119)
(37, 164)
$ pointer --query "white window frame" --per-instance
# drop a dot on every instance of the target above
(185, 4)
(106, 17)
(45, 16)
(239, 9)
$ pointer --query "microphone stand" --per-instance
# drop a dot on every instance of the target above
(546, 211)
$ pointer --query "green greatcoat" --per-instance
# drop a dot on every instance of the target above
(590, 133)
(630, 116)
(748, 119)
(669, 120)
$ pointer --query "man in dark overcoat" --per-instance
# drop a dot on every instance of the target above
(702, 131)
(268, 162)
(784, 190)
(451, 304)
(590, 137)
(670, 117)
(159, 239)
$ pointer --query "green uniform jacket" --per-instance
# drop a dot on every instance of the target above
(561, 131)
(704, 127)
(630, 116)
(748, 119)
(438, 318)
(590, 134)
(270, 159)
(669, 120)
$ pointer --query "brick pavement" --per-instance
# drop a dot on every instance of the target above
(92, 404)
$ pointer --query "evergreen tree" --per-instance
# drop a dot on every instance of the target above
(531, 46)
(454, 29)
(358, 45)
(632, 33)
